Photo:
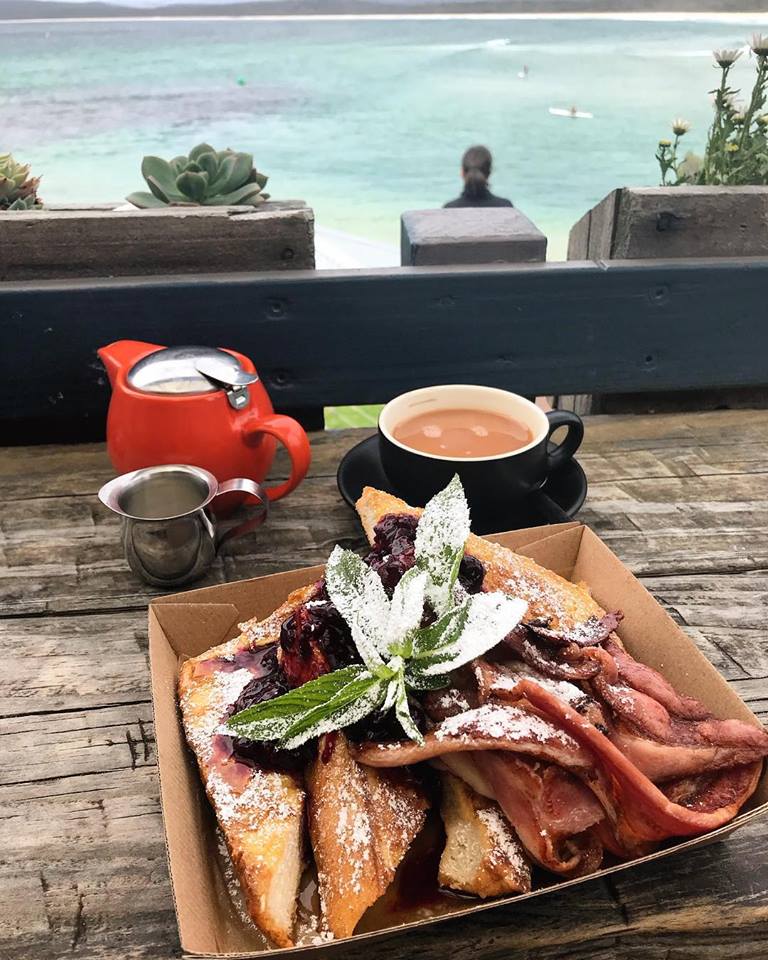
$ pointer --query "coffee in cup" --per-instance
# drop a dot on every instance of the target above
(497, 441)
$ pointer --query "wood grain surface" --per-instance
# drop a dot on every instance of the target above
(94, 242)
(644, 223)
(683, 499)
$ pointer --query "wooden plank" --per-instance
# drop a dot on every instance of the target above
(382, 332)
(641, 223)
(591, 237)
(74, 663)
(44, 244)
(689, 221)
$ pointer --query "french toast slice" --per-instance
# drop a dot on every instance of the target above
(563, 605)
(260, 811)
(482, 855)
(361, 823)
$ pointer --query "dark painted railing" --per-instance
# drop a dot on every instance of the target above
(362, 336)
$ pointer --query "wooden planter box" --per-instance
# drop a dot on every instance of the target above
(101, 241)
(642, 223)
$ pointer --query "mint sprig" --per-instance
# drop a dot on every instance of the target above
(329, 702)
(440, 537)
(399, 655)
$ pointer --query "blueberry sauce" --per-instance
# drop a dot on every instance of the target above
(268, 682)
(392, 553)
(314, 640)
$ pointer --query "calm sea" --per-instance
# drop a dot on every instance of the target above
(361, 118)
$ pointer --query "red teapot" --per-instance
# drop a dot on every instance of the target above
(196, 405)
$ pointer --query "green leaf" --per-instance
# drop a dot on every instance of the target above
(415, 679)
(440, 537)
(246, 194)
(269, 720)
(178, 165)
(208, 162)
(261, 178)
(403, 713)
(240, 172)
(442, 635)
(358, 594)
(234, 172)
(405, 611)
(193, 186)
(160, 176)
(144, 200)
(201, 148)
(489, 617)
(355, 702)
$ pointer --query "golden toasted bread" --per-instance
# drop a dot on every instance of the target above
(261, 812)
(563, 604)
(361, 822)
(482, 855)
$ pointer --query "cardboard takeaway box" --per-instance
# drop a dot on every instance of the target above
(187, 624)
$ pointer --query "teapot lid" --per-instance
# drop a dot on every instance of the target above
(192, 370)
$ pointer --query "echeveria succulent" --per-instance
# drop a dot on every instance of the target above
(207, 177)
(18, 191)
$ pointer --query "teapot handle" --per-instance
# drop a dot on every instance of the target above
(292, 436)
(244, 485)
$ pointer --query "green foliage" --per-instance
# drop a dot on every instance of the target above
(736, 152)
(18, 191)
(207, 177)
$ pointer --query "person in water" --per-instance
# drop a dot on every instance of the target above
(475, 171)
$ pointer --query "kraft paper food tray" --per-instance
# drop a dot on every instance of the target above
(187, 624)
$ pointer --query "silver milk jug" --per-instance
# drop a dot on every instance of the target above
(169, 532)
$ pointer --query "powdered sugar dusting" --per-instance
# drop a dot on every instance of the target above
(451, 701)
(221, 691)
(506, 849)
(494, 722)
(264, 797)
(562, 689)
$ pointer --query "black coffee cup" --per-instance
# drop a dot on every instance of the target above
(492, 484)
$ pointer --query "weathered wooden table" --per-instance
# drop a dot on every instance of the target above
(682, 499)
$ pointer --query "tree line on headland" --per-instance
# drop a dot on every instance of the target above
(39, 9)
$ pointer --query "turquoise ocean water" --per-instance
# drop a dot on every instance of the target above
(361, 118)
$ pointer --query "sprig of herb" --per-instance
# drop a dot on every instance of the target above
(399, 655)
(440, 537)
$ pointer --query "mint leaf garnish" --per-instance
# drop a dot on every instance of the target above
(480, 623)
(298, 715)
(358, 594)
(406, 611)
(403, 713)
(440, 537)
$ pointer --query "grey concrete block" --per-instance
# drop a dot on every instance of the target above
(470, 235)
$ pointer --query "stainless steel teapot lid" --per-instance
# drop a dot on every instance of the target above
(192, 370)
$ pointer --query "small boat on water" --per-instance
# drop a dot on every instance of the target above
(571, 112)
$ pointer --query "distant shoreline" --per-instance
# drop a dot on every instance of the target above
(680, 16)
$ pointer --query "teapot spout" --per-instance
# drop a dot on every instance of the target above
(121, 355)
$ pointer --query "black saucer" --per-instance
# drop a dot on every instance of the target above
(559, 500)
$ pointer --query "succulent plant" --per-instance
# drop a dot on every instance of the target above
(207, 177)
(18, 191)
